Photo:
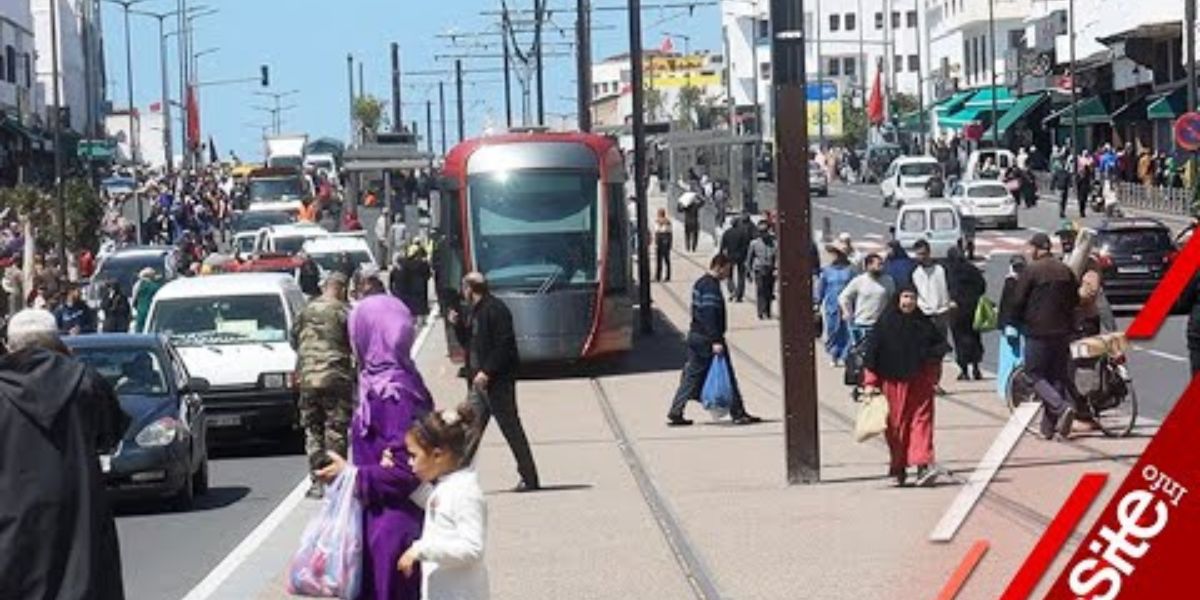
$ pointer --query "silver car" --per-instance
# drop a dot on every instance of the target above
(818, 179)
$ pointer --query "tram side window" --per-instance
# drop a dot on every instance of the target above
(618, 246)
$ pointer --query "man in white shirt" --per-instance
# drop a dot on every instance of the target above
(933, 296)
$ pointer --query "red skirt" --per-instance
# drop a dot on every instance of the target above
(910, 417)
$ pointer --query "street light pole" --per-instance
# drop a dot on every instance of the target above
(458, 88)
(442, 112)
(1190, 29)
(637, 66)
(801, 431)
(429, 125)
(168, 149)
(1074, 94)
(992, 45)
(820, 83)
(583, 63)
(60, 199)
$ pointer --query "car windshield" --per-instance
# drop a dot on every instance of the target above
(124, 269)
(535, 229)
(275, 189)
(128, 370)
(1134, 241)
(920, 169)
(913, 220)
(943, 219)
(987, 191)
(331, 261)
(244, 244)
(289, 244)
(255, 220)
(222, 320)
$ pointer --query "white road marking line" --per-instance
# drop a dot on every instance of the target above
(250, 544)
(1161, 354)
(970, 494)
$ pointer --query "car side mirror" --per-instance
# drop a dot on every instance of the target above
(197, 385)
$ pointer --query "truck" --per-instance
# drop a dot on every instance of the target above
(276, 189)
(286, 150)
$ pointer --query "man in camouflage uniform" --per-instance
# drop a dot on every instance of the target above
(326, 374)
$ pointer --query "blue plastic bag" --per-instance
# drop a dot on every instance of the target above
(717, 393)
(329, 561)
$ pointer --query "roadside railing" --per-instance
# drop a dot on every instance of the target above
(1168, 200)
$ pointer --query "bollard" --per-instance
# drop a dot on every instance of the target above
(826, 230)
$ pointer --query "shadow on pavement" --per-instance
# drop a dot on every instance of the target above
(255, 448)
(546, 489)
(660, 351)
(216, 498)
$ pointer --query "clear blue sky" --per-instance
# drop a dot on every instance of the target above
(305, 42)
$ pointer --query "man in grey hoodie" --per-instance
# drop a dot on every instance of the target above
(866, 297)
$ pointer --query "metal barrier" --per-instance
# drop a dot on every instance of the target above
(1168, 200)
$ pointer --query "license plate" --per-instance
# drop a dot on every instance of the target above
(225, 420)
(1134, 269)
(105, 463)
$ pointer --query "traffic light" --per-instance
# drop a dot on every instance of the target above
(266, 76)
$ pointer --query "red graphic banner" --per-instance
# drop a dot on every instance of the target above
(1144, 545)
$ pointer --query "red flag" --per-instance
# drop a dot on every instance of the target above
(875, 102)
(193, 119)
(155, 106)
(667, 47)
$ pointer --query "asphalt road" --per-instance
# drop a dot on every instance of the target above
(1160, 367)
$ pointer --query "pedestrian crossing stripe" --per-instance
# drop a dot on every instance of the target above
(988, 244)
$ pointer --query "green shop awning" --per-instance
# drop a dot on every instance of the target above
(1168, 106)
(953, 103)
(911, 122)
(1088, 111)
(983, 98)
(1019, 110)
(1132, 111)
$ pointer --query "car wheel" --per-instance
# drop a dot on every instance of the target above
(200, 479)
(186, 496)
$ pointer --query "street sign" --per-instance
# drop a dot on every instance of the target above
(973, 131)
(1187, 131)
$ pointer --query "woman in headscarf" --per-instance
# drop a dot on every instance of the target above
(903, 359)
(834, 278)
(1012, 345)
(899, 265)
(391, 397)
(966, 286)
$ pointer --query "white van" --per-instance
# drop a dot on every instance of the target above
(905, 179)
(327, 251)
(935, 221)
(287, 239)
(1001, 160)
(235, 331)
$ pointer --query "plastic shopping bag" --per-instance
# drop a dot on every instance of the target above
(986, 317)
(717, 393)
(872, 418)
(329, 561)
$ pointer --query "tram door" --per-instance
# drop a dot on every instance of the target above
(449, 266)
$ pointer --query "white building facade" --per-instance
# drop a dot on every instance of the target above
(961, 49)
(666, 74)
(848, 42)
(73, 93)
(18, 97)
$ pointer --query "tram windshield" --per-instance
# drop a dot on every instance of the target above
(535, 229)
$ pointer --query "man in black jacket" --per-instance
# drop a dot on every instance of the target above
(57, 536)
(735, 243)
(705, 341)
(1044, 300)
(491, 344)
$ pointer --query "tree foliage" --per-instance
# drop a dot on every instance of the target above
(653, 100)
(368, 113)
(854, 123)
(903, 104)
(688, 105)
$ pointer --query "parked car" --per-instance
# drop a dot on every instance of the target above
(235, 331)
(935, 221)
(906, 178)
(327, 251)
(164, 453)
(1132, 255)
(986, 201)
(876, 159)
(818, 179)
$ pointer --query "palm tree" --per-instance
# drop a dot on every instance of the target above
(368, 113)
(687, 106)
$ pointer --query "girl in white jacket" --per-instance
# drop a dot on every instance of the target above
(451, 546)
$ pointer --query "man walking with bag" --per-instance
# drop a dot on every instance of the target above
(326, 375)
(706, 340)
(487, 335)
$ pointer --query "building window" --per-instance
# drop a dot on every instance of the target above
(808, 22)
(764, 71)
(895, 19)
(835, 22)
(910, 19)
(10, 64)
(764, 29)
(897, 63)
(28, 70)
(878, 21)
(914, 63)
(849, 67)
(1016, 38)
(851, 20)
(834, 67)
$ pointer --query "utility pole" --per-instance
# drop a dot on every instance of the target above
(637, 66)
(350, 94)
(182, 7)
(1189, 29)
(820, 82)
(539, 15)
(992, 68)
(583, 63)
(458, 89)
(1074, 80)
(361, 80)
(60, 199)
(168, 149)
(442, 112)
(429, 126)
(801, 431)
(397, 112)
(921, 56)
(862, 53)
(507, 71)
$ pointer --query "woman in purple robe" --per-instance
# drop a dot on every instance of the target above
(391, 397)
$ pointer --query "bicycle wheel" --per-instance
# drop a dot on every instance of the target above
(1119, 414)
(1018, 391)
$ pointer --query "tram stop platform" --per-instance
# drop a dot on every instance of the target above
(635, 509)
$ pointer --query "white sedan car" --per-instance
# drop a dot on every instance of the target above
(987, 201)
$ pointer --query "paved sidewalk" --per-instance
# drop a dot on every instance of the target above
(725, 509)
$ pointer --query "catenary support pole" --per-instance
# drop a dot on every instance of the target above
(429, 126)
(458, 92)
(801, 431)
(637, 66)
(583, 63)
(442, 112)
(397, 107)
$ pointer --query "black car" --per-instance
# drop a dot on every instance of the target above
(164, 454)
(1132, 255)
